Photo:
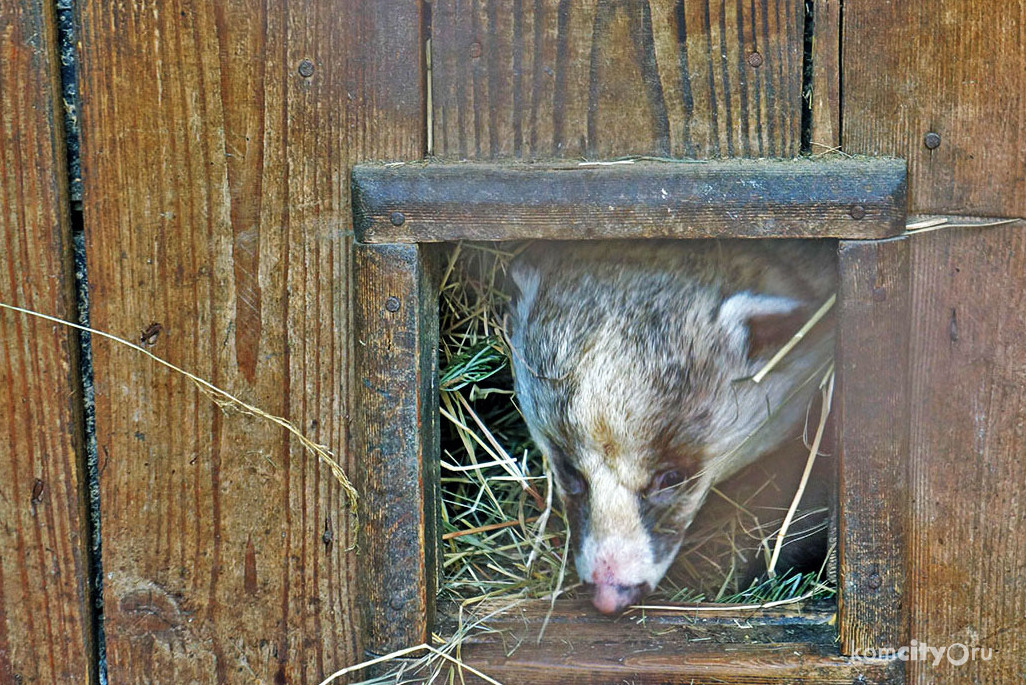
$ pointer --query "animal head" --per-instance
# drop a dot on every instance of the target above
(631, 364)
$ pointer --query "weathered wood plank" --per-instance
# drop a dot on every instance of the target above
(967, 533)
(826, 76)
(663, 647)
(45, 615)
(954, 68)
(541, 78)
(873, 418)
(395, 440)
(854, 198)
(216, 139)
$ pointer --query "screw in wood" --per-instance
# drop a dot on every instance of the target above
(755, 60)
(931, 140)
(397, 218)
(306, 68)
(392, 304)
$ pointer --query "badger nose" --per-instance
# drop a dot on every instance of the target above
(612, 599)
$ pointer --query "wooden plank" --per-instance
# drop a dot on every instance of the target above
(873, 416)
(567, 78)
(855, 198)
(663, 647)
(45, 614)
(216, 139)
(395, 439)
(954, 68)
(826, 76)
(967, 534)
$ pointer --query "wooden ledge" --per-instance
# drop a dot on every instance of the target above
(832, 197)
(579, 646)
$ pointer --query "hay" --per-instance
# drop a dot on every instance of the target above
(502, 535)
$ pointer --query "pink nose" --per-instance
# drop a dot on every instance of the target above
(612, 599)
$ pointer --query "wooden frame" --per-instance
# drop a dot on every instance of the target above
(396, 430)
(739, 198)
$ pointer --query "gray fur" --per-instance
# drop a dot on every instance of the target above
(631, 360)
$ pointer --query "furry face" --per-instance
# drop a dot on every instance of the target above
(632, 362)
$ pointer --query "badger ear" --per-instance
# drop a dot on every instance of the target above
(761, 322)
(527, 279)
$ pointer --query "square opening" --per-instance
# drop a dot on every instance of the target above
(496, 483)
(397, 323)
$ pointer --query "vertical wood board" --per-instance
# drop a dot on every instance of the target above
(395, 441)
(216, 143)
(955, 68)
(968, 527)
(826, 77)
(873, 412)
(567, 78)
(45, 617)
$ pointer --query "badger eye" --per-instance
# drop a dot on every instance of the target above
(573, 482)
(569, 478)
(665, 480)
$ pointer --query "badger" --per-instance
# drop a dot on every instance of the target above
(633, 365)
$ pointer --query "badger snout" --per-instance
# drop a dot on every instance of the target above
(612, 588)
(613, 598)
(620, 572)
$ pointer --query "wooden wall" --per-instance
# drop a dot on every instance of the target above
(570, 78)
(45, 619)
(956, 69)
(217, 138)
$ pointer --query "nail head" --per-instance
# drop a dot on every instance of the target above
(392, 304)
(857, 212)
(306, 68)
(932, 140)
(755, 59)
(397, 218)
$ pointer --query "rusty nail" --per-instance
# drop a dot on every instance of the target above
(475, 49)
(392, 304)
(306, 68)
(857, 212)
(755, 60)
(931, 140)
(875, 581)
(397, 218)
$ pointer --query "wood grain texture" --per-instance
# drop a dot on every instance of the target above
(854, 198)
(968, 528)
(548, 78)
(952, 67)
(826, 76)
(395, 439)
(873, 440)
(45, 616)
(742, 647)
(216, 204)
